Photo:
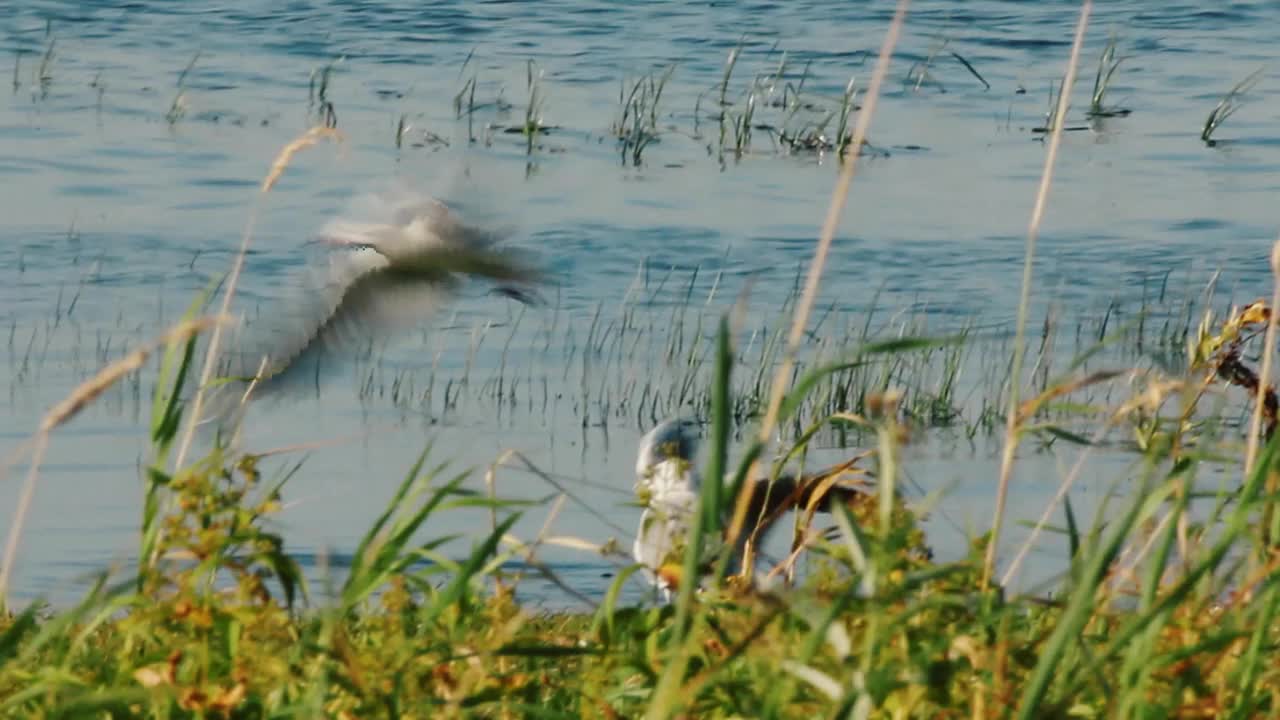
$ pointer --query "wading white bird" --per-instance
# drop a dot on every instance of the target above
(392, 260)
(669, 485)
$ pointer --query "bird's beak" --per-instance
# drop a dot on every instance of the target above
(337, 241)
(349, 235)
(526, 296)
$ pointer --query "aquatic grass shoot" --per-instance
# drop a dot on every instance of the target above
(1108, 64)
(44, 72)
(178, 106)
(534, 107)
(318, 93)
(1227, 106)
(918, 74)
(637, 124)
(729, 65)
(467, 95)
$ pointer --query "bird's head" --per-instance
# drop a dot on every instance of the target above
(672, 443)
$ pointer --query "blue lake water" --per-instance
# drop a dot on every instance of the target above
(112, 216)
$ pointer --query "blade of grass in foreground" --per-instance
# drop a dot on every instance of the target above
(1080, 605)
(713, 507)
(664, 701)
(1264, 381)
(1246, 700)
(166, 417)
(1239, 523)
(67, 410)
(384, 550)
(456, 590)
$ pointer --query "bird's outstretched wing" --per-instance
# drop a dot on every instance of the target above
(335, 320)
(844, 482)
(396, 263)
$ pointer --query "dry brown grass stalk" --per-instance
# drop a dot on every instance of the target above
(1264, 379)
(278, 166)
(1033, 231)
(303, 141)
(296, 448)
(816, 266)
(63, 412)
(19, 518)
(93, 388)
(1152, 398)
(1261, 397)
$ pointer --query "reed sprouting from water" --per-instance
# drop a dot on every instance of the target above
(1227, 106)
(637, 124)
(178, 106)
(1108, 64)
(535, 108)
(43, 77)
(918, 74)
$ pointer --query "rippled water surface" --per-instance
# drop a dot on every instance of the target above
(112, 217)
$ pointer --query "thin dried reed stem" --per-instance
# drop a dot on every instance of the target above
(1264, 383)
(1264, 378)
(278, 167)
(319, 444)
(19, 518)
(1150, 542)
(1065, 486)
(1033, 232)
(92, 388)
(244, 399)
(63, 412)
(814, 279)
(303, 141)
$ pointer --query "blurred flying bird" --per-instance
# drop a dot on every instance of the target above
(394, 259)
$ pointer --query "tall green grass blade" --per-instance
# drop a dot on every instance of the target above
(713, 505)
(19, 628)
(456, 590)
(1073, 530)
(1237, 525)
(175, 364)
(1079, 606)
(1247, 697)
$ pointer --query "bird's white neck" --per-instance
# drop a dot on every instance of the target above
(669, 479)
